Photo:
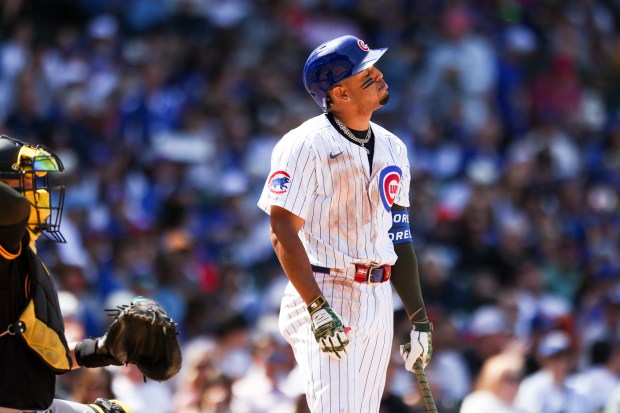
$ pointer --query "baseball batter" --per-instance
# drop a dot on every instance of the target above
(337, 196)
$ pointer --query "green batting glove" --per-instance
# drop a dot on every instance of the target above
(328, 329)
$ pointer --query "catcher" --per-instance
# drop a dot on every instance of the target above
(32, 341)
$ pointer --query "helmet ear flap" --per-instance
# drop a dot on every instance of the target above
(9, 157)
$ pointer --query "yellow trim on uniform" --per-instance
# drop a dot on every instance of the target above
(44, 340)
(7, 255)
(96, 408)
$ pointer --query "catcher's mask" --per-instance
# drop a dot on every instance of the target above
(27, 168)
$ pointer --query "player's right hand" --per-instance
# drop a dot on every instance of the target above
(328, 329)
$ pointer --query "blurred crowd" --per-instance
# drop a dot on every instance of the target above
(165, 114)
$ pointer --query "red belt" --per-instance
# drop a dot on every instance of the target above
(364, 273)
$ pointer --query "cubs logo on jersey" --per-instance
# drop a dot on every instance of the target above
(278, 182)
(389, 182)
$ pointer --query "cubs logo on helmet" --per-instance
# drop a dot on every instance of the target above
(389, 182)
(278, 182)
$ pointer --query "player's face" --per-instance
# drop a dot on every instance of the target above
(369, 89)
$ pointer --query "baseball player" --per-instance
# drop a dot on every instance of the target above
(337, 195)
(32, 342)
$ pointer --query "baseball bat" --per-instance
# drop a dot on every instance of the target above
(424, 386)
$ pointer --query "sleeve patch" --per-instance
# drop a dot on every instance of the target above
(389, 182)
(278, 182)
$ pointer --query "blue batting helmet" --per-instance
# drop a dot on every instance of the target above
(334, 61)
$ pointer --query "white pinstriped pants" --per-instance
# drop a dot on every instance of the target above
(354, 384)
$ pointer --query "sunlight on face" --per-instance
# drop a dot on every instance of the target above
(368, 88)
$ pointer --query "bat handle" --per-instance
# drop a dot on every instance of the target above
(429, 401)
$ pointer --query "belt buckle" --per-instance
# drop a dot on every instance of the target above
(369, 274)
(366, 272)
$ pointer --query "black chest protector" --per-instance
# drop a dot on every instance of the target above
(40, 323)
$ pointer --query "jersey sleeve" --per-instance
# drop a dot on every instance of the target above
(292, 177)
(402, 196)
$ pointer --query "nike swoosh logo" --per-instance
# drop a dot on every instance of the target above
(335, 155)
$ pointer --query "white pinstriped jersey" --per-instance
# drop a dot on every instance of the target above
(320, 176)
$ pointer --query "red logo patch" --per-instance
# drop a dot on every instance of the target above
(278, 182)
(389, 181)
(390, 186)
(363, 45)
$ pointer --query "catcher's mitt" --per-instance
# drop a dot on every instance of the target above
(143, 334)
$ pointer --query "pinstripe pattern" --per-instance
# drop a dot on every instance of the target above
(355, 383)
(339, 200)
(323, 178)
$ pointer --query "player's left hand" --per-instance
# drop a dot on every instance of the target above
(328, 329)
(420, 346)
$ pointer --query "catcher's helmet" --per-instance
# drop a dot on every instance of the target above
(30, 166)
(334, 61)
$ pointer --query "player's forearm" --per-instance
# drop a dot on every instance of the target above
(406, 282)
(74, 363)
(295, 262)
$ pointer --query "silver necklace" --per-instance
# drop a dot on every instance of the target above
(351, 136)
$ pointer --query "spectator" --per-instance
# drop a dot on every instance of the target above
(263, 388)
(547, 390)
(91, 384)
(460, 74)
(216, 396)
(143, 396)
(489, 335)
(450, 371)
(197, 371)
(598, 381)
(496, 386)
